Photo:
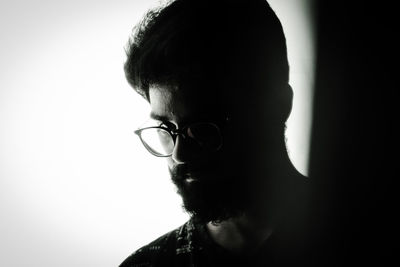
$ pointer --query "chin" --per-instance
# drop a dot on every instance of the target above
(208, 199)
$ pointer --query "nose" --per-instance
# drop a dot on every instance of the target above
(183, 151)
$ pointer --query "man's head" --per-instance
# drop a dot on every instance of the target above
(223, 63)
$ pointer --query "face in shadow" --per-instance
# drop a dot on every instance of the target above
(214, 185)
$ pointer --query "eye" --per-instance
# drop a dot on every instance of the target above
(169, 125)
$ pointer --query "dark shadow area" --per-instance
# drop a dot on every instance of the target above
(352, 161)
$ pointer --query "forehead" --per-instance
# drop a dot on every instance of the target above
(183, 104)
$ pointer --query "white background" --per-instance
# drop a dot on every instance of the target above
(76, 187)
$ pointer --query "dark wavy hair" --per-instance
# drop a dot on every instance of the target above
(216, 42)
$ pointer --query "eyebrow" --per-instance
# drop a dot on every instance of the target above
(158, 117)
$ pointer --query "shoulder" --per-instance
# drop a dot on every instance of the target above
(164, 250)
(149, 254)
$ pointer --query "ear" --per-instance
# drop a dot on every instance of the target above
(286, 101)
(276, 105)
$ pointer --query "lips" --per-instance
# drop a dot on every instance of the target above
(192, 176)
(191, 180)
(189, 174)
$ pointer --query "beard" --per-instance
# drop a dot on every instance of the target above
(213, 193)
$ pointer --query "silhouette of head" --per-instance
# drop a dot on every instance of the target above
(224, 63)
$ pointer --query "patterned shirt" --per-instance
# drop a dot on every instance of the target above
(191, 246)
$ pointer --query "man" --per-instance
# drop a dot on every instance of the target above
(216, 76)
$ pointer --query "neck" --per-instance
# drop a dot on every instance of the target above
(245, 234)
(242, 235)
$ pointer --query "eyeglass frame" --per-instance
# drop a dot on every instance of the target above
(175, 133)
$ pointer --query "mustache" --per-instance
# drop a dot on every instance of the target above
(179, 172)
(182, 171)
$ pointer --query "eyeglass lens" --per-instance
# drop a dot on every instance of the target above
(206, 134)
(158, 141)
(161, 143)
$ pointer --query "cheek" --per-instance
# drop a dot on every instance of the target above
(170, 163)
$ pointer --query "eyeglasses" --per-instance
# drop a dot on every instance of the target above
(160, 140)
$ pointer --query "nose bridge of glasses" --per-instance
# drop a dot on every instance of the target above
(179, 132)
